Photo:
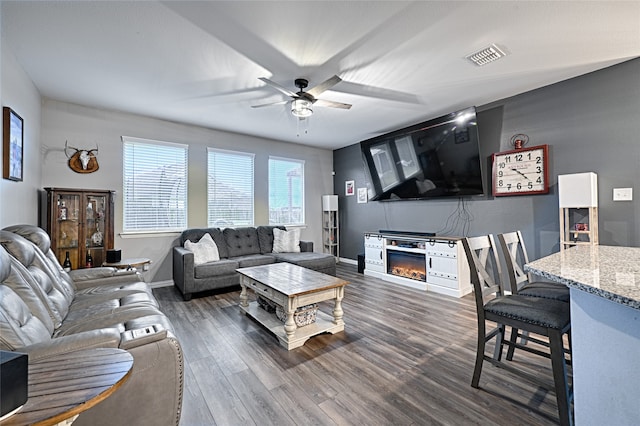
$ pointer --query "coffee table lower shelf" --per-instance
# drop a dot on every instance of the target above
(324, 324)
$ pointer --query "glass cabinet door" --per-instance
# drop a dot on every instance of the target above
(68, 217)
(80, 224)
(95, 207)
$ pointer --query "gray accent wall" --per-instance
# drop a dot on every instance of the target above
(591, 124)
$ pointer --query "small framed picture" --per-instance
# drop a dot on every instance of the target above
(12, 142)
(362, 195)
(349, 188)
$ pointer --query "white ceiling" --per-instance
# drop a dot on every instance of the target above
(401, 62)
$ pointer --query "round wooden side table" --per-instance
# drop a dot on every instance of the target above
(63, 386)
(127, 264)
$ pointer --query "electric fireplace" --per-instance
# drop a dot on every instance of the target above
(407, 265)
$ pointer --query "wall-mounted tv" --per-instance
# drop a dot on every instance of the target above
(436, 158)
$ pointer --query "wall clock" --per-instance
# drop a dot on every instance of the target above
(521, 171)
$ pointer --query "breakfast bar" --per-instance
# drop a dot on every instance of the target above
(605, 320)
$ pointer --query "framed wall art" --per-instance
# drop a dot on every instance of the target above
(349, 187)
(362, 195)
(13, 145)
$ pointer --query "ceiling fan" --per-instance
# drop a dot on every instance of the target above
(302, 102)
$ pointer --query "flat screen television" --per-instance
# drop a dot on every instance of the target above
(434, 159)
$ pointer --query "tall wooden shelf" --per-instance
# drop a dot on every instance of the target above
(79, 221)
(330, 228)
(578, 202)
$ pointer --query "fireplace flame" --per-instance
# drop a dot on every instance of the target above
(407, 265)
(408, 272)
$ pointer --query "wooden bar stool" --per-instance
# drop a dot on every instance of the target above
(544, 317)
(515, 256)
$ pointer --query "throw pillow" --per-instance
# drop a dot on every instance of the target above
(204, 250)
(425, 186)
(286, 241)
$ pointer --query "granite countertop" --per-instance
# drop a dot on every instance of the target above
(610, 272)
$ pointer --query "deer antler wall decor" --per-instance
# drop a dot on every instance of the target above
(82, 160)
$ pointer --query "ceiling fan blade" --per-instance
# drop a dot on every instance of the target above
(325, 85)
(379, 93)
(270, 104)
(331, 104)
(279, 87)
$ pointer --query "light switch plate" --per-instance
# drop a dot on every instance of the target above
(622, 194)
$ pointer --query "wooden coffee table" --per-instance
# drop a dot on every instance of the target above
(292, 286)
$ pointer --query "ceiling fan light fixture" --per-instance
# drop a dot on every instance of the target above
(301, 108)
(486, 55)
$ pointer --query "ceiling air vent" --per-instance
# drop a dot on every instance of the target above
(486, 55)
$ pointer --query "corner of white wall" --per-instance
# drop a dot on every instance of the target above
(20, 94)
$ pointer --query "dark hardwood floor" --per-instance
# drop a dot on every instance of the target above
(405, 358)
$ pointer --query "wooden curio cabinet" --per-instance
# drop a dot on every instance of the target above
(79, 222)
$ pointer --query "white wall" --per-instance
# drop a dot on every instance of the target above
(19, 199)
(84, 127)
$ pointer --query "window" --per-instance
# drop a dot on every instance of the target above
(229, 188)
(286, 191)
(155, 186)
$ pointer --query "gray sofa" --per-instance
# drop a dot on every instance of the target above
(47, 312)
(238, 248)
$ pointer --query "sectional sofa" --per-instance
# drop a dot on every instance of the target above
(238, 248)
(47, 312)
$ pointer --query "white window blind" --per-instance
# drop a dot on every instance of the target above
(155, 186)
(229, 188)
(286, 191)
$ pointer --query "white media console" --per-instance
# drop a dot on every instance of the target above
(435, 264)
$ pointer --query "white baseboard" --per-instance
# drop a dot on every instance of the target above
(349, 261)
(158, 284)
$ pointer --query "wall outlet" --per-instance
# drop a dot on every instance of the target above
(622, 194)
